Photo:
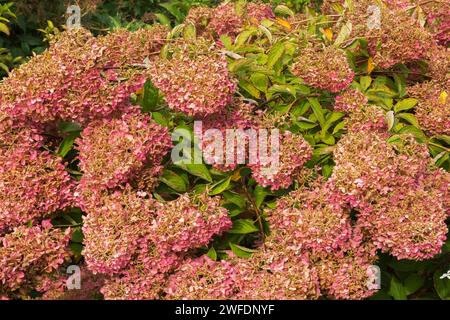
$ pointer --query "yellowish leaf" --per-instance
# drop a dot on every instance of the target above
(328, 33)
(370, 65)
(236, 176)
(4, 28)
(443, 97)
(284, 23)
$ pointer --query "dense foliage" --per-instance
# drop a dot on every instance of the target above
(87, 177)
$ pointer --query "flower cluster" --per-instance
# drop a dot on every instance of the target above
(433, 108)
(239, 118)
(34, 184)
(350, 100)
(111, 152)
(195, 80)
(29, 253)
(228, 18)
(78, 78)
(188, 222)
(203, 278)
(393, 185)
(326, 69)
(113, 229)
(278, 168)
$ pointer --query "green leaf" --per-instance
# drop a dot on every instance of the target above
(413, 283)
(160, 119)
(163, 19)
(405, 104)
(317, 110)
(235, 198)
(67, 144)
(275, 54)
(221, 186)
(260, 81)
(244, 36)
(240, 251)
(77, 235)
(76, 248)
(260, 194)
(150, 97)
(283, 10)
(198, 170)
(442, 286)
(410, 118)
(4, 28)
(365, 82)
(343, 33)
(68, 127)
(174, 181)
(189, 32)
(243, 226)
(335, 116)
(247, 86)
(212, 254)
(397, 290)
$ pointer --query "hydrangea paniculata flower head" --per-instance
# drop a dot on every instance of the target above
(350, 100)
(189, 222)
(312, 221)
(238, 118)
(34, 184)
(195, 80)
(433, 108)
(113, 229)
(113, 151)
(294, 152)
(327, 69)
(30, 252)
(202, 278)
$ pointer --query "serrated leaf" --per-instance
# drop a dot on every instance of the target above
(4, 28)
(260, 81)
(365, 82)
(235, 198)
(163, 19)
(283, 10)
(260, 194)
(150, 97)
(266, 32)
(247, 86)
(345, 31)
(67, 144)
(413, 283)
